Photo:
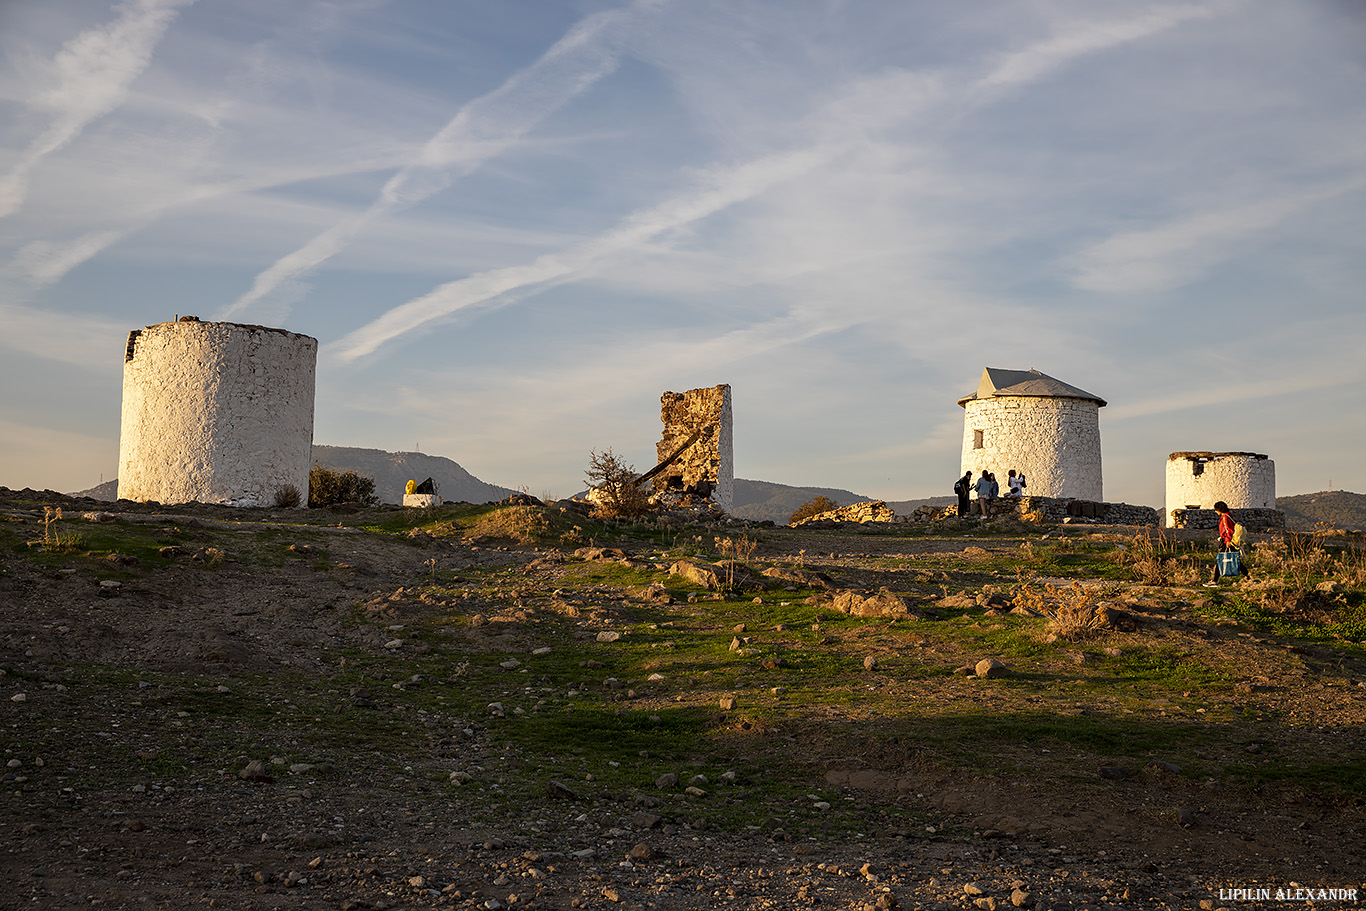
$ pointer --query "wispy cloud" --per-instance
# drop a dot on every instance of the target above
(852, 119)
(1036, 61)
(1243, 391)
(43, 262)
(1181, 251)
(93, 73)
(80, 340)
(722, 189)
(481, 130)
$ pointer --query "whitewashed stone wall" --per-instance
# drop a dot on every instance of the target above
(1243, 480)
(1054, 440)
(216, 412)
(708, 466)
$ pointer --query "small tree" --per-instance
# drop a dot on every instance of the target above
(330, 488)
(615, 492)
(812, 507)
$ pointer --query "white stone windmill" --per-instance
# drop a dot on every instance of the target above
(1038, 425)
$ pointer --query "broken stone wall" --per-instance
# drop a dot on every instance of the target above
(706, 468)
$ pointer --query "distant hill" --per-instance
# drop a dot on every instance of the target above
(760, 500)
(1338, 508)
(391, 471)
(108, 491)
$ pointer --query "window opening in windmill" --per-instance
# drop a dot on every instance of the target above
(977, 439)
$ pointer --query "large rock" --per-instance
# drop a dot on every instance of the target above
(991, 667)
(801, 577)
(701, 574)
(882, 604)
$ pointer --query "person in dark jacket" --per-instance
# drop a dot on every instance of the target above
(963, 487)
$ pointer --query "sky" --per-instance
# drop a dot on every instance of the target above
(513, 224)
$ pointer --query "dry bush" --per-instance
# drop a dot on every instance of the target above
(1034, 517)
(523, 524)
(1073, 612)
(52, 539)
(1155, 560)
(735, 551)
(288, 497)
(615, 492)
(813, 507)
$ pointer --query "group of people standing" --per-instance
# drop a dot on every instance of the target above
(987, 490)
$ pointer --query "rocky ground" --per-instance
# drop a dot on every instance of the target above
(275, 715)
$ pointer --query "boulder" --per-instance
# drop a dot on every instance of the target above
(882, 604)
(702, 574)
(991, 667)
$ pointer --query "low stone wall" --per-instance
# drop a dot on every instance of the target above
(1054, 509)
(867, 511)
(1258, 519)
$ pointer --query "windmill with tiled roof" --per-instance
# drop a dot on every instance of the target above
(1038, 425)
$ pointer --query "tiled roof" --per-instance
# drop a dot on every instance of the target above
(996, 381)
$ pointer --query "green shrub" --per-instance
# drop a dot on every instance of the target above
(330, 488)
(812, 507)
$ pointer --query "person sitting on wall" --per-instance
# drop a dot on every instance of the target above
(995, 488)
(962, 487)
(983, 487)
(1016, 483)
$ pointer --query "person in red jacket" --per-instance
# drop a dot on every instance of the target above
(1226, 530)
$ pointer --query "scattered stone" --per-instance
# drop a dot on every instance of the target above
(667, 780)
(1115, 772)
(558, 790)
(642, 852)
(973, 888)
(657, 593)
(255, 771)
(870, 663)
(1021, 899)
(726, 703)
(991, 667)
(1185, 818)
(644, 820)
(600, 553)
(609, 636)
(1160, 766)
